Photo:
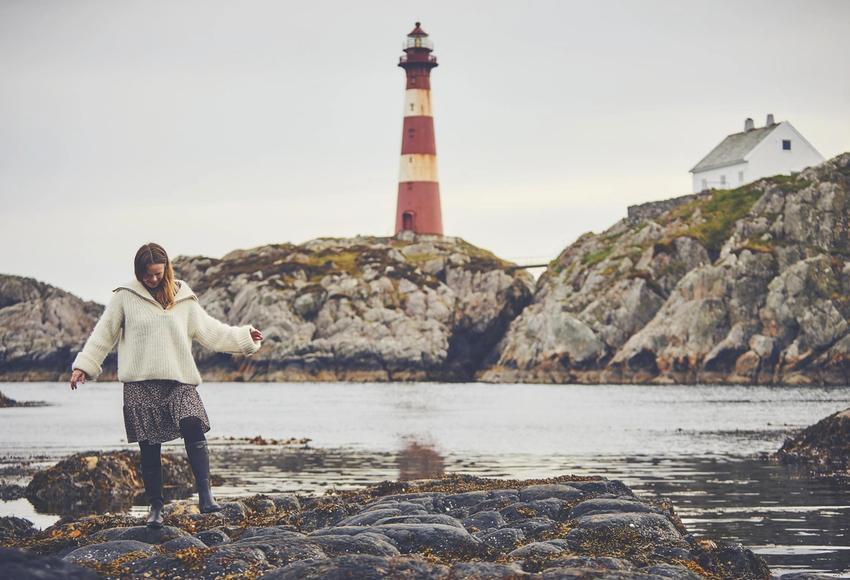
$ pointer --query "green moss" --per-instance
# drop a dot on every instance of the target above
(594, 258)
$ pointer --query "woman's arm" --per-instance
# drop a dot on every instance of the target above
(106, 333)
(218, 336)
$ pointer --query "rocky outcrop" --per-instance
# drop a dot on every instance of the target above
(99, 481)
(411, 307)
(745, 286)
(458, 526)
(821, 448)
(41, 328)
(6, 402)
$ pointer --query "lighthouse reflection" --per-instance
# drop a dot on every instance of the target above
(419, 461)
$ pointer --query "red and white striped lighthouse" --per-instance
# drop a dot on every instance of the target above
(418, 206)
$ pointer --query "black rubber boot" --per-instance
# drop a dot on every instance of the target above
(152, 476)
(199, 459)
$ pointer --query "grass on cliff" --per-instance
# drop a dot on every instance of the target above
(719, 212)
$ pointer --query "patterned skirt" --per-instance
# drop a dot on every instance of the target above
(153, 409)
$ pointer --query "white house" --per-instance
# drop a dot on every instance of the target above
(754, 153)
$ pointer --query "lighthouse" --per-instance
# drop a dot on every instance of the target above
(418, 203)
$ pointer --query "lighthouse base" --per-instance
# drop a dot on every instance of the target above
(418, 208)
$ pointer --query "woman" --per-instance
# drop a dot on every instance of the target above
(154, 319)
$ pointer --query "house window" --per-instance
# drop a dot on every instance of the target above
(740, 177)
(786, 144)
(722, 180)
(704, 184)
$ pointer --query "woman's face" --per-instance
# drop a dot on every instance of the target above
(153, 278)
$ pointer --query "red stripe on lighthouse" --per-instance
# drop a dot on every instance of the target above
(419, 207)
(418, 136)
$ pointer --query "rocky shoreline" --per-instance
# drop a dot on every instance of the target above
(458, 526)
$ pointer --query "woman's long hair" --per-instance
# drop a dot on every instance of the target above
(152, 253)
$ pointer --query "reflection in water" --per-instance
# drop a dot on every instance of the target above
(419, 461)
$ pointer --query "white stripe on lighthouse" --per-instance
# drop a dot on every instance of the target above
(417, 102)
(418, 167)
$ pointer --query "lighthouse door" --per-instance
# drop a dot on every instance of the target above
(407, 220)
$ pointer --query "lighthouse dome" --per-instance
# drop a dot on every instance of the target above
(418, 38)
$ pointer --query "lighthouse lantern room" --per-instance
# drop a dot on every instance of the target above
(418, 202)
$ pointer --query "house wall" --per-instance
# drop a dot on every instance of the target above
(766, 159)
(713, 177)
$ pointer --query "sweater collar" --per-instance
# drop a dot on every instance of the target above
(136, 287)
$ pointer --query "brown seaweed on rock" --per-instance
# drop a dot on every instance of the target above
(101, 481)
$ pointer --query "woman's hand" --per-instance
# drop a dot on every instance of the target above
(256, 334)
(77, 376)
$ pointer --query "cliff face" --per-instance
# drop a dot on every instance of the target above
(364, 308)
(41, 327)
(747, 286)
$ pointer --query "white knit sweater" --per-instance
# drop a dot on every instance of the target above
(154, 343)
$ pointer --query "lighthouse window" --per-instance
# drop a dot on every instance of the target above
(410, 132)
(786, 144)
(411, 106)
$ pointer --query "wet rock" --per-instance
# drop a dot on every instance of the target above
(198, 563)
(488, 570)
(6, 402)
(9, 492)
(182, 543)
(23, 565)
(361, 566)
(537, 550)
(730, 561)
(14, 528)
(611, 531)
(365, 543)
(534, 528)
(670, 571)
(422, 519)
(609, 505)
(213, 537)
(822, 446)
(484, 520)
(280, 550)
(371, 516)
(534, 492)
(100, 481)
(108, 551)
(594, 563)
(501, 541)
(140, 534)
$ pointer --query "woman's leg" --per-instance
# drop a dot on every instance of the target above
(196, 448)
(152, 477)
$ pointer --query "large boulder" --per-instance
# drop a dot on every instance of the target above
(100, 481)
(823, 447)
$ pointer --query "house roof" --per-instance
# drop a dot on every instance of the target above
(734, 148)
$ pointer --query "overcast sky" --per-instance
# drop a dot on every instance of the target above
(208, 126)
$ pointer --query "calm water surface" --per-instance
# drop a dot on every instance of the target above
(694, 444)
